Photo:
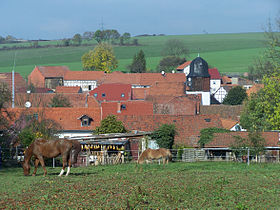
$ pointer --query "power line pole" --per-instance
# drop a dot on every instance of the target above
(13, 82)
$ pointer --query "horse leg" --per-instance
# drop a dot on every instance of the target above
(69, 166)
(36, 166)
(41, 159)
(64, 160)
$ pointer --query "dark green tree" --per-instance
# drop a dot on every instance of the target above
(99, 36)
(66, 42)
(110, 125)
(126, 37)
(60, 100)
(235, 96)
(138, 64)
(77, 39)
(170, 63)
(165, 135)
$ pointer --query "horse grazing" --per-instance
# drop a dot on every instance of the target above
(42, 148)
(151, 154)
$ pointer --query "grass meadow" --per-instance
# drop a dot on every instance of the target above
(200, 185)
(230, 53)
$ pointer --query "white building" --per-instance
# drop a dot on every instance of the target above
(87, 80)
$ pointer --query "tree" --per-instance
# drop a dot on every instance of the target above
(126, 37)
(35, 125)
(88, 35)
(175, 47)
(110, 125)
(170, 63)
(5, 98)
(99, 36)
(66, 42)
(115, 35)
(102, 58)
(269, 62)
(165, 135)
(262, 110)
(139, 63)
(77, 39)
(59, 100)
(255, 142)
(235, 96)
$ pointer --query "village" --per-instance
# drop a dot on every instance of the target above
(190, 98)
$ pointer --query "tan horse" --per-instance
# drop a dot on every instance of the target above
(155, 154)
(41, 148)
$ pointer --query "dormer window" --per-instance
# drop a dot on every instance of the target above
(85, 120)
(123, 106)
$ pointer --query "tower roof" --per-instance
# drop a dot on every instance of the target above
(199, 68)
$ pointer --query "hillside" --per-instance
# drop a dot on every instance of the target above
(228, 52)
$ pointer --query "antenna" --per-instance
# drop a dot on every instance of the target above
(102, 24)
(13, 82)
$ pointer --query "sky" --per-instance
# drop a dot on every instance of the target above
(57, 19)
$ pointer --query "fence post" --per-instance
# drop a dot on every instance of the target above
(248, 157)
(53, 163)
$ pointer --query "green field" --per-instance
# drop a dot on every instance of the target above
(201, 185)
(230, 53)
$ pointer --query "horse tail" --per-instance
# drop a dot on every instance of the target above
(76, 148)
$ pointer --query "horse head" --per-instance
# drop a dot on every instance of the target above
(26, 168)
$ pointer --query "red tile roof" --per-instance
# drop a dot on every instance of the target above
(135, 108)
(214, 73)
(84, 75)
(67, 118)
(184, 65)
(228, 123)
(227, 139)
(226, 80)
(20, 83)
(52, 71)
(254, 89)
(65, 89)
(112, 92)
(144, 79)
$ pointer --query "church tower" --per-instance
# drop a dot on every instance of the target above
(199, 78)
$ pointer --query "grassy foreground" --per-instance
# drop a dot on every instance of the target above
(178, 185)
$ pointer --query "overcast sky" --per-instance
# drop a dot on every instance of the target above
(55, 19)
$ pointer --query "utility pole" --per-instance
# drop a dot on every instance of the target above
(13, 82)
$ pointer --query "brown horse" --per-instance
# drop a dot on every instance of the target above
(151, 154)
(41, 148)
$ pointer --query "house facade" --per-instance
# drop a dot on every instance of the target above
(47, 76)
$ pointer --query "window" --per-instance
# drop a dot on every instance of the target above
(122, 95)
(95, 94)
(103, 94)
(89, 87)
(207, 120)
(123, 106)
(85, 120)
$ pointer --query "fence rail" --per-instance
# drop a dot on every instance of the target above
(11, 157)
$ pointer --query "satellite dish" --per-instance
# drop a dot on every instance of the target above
(27, 104)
